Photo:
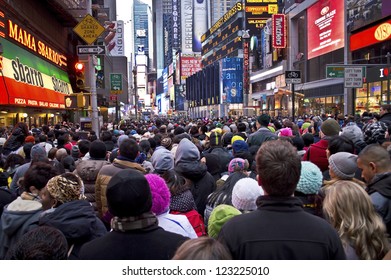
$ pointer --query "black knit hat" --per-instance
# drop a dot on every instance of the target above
(128, 194)
(215, 139)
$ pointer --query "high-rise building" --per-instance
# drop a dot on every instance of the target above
(219, 8)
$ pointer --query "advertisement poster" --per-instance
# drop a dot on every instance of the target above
(232, 76)
(114, 40)
(325, 27)
(189, 66)
(180, 99)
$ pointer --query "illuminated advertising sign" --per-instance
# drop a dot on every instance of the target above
(232, 76)
(189, 66)
(194, 23)
(246, 66)
(30, 81)
(279, 31)
(371, 36)
(176, 23)
(258, 12)
(325, 27)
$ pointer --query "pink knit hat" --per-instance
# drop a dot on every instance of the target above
(160, 194)
(287, 132)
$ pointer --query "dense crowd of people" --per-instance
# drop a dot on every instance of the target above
(228, 188)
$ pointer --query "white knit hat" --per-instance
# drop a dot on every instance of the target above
(245, 193)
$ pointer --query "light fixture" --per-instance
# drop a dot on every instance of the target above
(51, 115)
(25, 115)
(3, 111)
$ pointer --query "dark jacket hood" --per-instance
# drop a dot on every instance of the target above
(381, 183)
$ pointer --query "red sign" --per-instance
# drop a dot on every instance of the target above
(371, 36)
(189, 66)
(246, 66)
(326, 27)
(113, 97)
(279, 31)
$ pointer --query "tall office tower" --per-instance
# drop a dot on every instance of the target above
(220, 7)
(140, 17)
(160, 8)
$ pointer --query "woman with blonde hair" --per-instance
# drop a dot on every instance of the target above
(349, 210)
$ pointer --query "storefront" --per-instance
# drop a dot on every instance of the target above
(373, 43)
(33, 77)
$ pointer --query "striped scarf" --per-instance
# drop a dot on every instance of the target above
(145, 221)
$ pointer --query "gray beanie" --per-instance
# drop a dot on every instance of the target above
(162, 160)
(344, 165)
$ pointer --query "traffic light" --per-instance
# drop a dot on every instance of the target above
(80, 77)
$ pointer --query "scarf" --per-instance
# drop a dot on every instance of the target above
(125, 158)
(145, 221)
(183, 202)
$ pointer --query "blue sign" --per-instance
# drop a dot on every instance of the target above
(232, 76)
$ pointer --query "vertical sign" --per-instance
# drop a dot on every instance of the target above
(246, 65)
(279, 31)
(176, 23)
(232, 80)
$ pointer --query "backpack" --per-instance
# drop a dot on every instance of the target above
(195, 220)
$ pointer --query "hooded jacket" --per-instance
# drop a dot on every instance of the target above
(380, 191)
(187, 163)
(77, 221)
(162, 160)
(18, 217)
(88, 171)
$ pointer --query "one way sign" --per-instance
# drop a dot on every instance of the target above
(96, 50)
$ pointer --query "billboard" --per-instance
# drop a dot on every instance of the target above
(195, 20)
(114, 40)
(258, 12)
(31, 81)
(232, 77)
(325, 27)
(370, 36)
(278, 31)
(189, 66)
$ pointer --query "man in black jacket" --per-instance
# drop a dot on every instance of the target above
(280, 228)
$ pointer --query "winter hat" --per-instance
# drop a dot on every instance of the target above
(66, 187)
(2, 141)
(160, 194)
(38, 152)
(236, 138)
(344, 165)
(237, 164)
(215, 139)
(29, 139)
(239, 146)
(121, 139)
(352, 132)
(128, 194)
(271, 128)
(227, 138)
(311, 178)
(186, 152)
(219, 216)
(264, 119)
(166, 143)
(213, 164)
(245, 193)
(305, 125)
(375, 133)
(75, 152)
(162, 160)
(330, 127)
(286, 132)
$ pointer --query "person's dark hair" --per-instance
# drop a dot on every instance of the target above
(158, 139)
(298, 142)
(178, 138)
(202, 248)
(308, 139)
(84, 146)
(98, 150)
(27, 150)
(62, 140)
(340, 144)
(204, 129)
(145, 146)
(193, 130)
(42, 138)
(152, 143)
(129, 149)
(241, 127)
(179, 130)
(105, 136)
(50, 135)
(23, 126)
(69, 163)
(175, 182)
(40, 243)
(158, 123)
(52, 153)
(45, 129)
(278, 167)
(38, 175)
(75, 136)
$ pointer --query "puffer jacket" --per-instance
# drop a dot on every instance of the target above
(14, 142)
(88, 171)
(103, 178)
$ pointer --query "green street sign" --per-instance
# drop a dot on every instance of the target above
(338, 71)
(115, 83)
(335, 71)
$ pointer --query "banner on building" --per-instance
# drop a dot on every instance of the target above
(114, 40)
(279, 31)
(232, 77)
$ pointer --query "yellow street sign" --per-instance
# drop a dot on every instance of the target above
(89, 29)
